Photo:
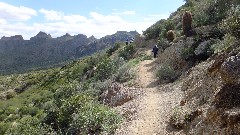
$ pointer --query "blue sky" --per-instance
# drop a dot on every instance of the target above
(89, 17)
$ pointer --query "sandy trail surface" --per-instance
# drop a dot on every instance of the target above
(154, 106)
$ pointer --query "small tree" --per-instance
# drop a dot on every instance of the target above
(187, 23)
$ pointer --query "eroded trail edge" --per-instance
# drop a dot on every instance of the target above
(154, 106)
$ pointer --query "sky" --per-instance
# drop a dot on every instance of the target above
(89, 17)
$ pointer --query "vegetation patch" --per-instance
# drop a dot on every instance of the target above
(166, 74)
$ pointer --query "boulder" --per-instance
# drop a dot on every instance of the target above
(230, 69)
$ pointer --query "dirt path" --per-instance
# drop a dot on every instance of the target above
(155, 105)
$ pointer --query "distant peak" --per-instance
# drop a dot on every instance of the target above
(67, 34)
(121, 32)
(42, 35)
(92, 37)
(16, 37)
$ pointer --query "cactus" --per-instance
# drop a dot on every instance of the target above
(170, 35)
(187, 23)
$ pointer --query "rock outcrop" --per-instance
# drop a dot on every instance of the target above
(12, 38)
(41, 35)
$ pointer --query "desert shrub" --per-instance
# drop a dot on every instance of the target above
(124, 73)
(82, 114)
(163, 44)
(10, 94)
(119, 61)
(127, 52)
(166, 74)
(224, 44)
(170, 35)
(29, 126)
(187, 23)
(11, 110)
(64, 92)
(203, 50)
(166, 26)
(4, 127)
(102, 86)
(28, 110)
(159, 29)
(113, 49)
(232, 23)
(144, 56)
(207, 12)
(11, 118)
(200, 18)
(187, 53)
(69, 107)
(105, 68)
(177, 119)
(94, 118)
(154, 31)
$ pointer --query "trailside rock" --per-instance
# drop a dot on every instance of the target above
(230, 69)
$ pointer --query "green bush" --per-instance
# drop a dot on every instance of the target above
(10, 94)
(28, 110)
(166, 26)
(124, 73)
(127, 52)
(4, 127)
(105, 69)
(113, 49)
(166, 74)
(94, 118)
(29, 126)
(154, 31)
(224, 44)
(69, 107)
(187, 53)
(232, 23)
(81, 114)
(163, 44)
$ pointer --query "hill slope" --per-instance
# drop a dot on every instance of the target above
(42, 51)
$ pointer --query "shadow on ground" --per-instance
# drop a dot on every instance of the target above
(153, 84)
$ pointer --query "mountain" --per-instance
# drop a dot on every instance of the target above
(41, 51)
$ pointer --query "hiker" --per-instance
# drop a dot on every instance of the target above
(131, 40)
(155, 51)
(127, 41)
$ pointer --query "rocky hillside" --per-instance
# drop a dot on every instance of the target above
(73, 99)
(199, 60)
(200, 47)
(42, 51)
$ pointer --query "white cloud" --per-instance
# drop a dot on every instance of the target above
(97, 24)
(9, 12)
(75, 19)
(51, 15)
(155, 18)
(2, 21)
(103, 20)
(125, 13)
(57, 24)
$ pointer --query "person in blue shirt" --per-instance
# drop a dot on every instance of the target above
(127, 41)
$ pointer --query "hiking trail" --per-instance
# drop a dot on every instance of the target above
(154, 105)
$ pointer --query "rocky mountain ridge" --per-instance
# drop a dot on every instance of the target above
(19, 55)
